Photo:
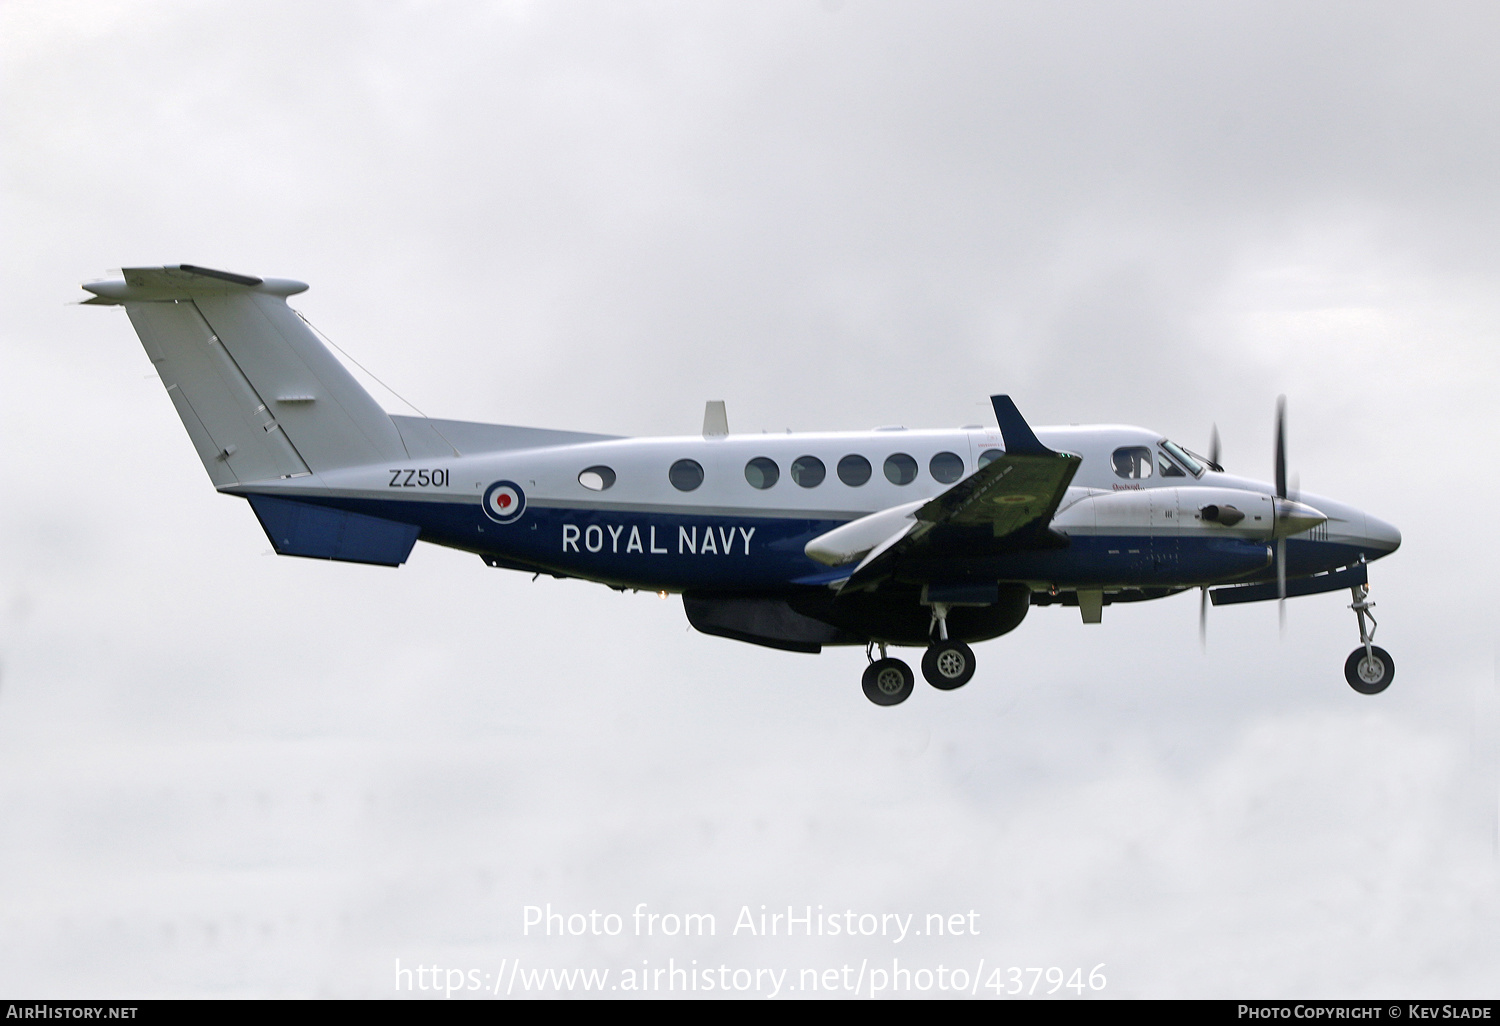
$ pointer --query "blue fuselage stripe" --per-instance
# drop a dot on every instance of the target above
(679, 552)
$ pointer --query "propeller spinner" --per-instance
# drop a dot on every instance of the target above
(1290, 517)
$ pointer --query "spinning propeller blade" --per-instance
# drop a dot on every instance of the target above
(1281, 494)
(1281, 583)
(1281, 447)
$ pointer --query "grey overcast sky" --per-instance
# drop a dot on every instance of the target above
(224, 773)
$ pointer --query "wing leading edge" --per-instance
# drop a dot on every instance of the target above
(1006, 504)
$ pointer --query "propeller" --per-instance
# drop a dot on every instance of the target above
(1281, 494)
(1289, 517)
(1213, 462)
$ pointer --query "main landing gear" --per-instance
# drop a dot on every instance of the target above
(1369, 668)
(887, 681)
(947, 665)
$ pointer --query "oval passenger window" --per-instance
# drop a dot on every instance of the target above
(596, 479)
(990, 456)
(900, 469)
(946, 467)
(685, 475)
(808, 471)
(854, 470)
(762, 473)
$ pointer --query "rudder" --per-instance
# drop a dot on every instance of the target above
(260, 396)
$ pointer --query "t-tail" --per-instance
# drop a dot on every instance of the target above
(261, 397)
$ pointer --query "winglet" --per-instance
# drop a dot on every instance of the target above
(1020, 440)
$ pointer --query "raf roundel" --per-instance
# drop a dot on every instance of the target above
(504, 502)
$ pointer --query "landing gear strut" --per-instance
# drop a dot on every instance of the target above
(947, 664)
(887, 681)
(1369, 668)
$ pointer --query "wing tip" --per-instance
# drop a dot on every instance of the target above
(1019, 438)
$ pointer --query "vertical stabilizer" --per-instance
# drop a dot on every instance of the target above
(261, 397)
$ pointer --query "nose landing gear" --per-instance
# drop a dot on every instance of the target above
(1369, 668)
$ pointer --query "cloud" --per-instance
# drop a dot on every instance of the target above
(228, 773)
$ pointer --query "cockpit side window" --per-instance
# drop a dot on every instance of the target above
(1132, 462)
(1167, 468)
(1181, 455)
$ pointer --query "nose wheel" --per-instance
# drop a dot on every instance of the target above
(1369, 668)
(1370, 672)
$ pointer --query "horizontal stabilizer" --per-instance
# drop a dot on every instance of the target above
(184, 281)
(302, 529)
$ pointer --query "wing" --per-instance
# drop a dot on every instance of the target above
(1006, 504)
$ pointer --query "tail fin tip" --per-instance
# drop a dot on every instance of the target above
(183, 281)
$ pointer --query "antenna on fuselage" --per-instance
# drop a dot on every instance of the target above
(715, 419)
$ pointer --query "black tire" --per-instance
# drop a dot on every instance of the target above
(948, 665)
(888, 682)
(1366, 677)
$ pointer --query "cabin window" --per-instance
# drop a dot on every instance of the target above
(1132, 462)
(946, 467)
(762, 473)
(685, 475)
(990, 456)
(596, 479)
(854, 470)
(900, 469)
(808, 471)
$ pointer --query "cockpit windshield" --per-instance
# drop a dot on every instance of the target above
(1194, 466)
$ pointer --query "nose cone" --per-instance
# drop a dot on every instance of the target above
(1381, 536)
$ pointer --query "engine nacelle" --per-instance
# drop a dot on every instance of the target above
(1217, 514)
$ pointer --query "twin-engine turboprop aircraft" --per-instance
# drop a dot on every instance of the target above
(932, 539)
